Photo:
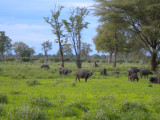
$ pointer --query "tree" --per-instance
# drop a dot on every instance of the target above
(57, 29)
(5, 44)
(46, 46)
(74, 28)
(140, 17)
(67, 50)
(85, 50)
(22, 50)
(110, 39)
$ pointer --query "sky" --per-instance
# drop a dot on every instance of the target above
(22, 20)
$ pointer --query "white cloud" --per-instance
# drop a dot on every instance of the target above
(32, 35)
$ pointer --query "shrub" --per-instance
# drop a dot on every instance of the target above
(3, 98)
(56, 60)
(80, 105)
(10, 59)
(27, 113)
(41, 60)
(2, 111)
(25, 59)
(40, 101)
(73, 84)
(33, 82)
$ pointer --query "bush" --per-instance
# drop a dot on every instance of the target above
(56, 60)
(73, 84)
(27, 113)
(25, 59)
(2, 111)
(10, 59)
(133, 107)
(3, 98)
(33, 82)
(41, 60)
(40, 101)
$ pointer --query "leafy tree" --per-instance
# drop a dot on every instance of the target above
(22, 50)
(67, 50)
(140, 17)
(46, 46)
(5, 44)
(85, 50)
(110, 39)
(74, 27)
(57, 25)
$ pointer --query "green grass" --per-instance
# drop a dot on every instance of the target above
(33, 93)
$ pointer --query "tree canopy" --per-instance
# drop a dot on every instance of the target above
(141, 17)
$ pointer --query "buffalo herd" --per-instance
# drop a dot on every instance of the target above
(132, 73)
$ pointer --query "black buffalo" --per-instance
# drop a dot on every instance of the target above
(83, 74)
(134, 76)
(153, 80)
(64, 71)
(103, 71)
(45, 66)
(132, 70)
(145, 73)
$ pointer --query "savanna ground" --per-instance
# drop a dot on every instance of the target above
(30, 93)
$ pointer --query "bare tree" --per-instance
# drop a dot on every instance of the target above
(57, 25)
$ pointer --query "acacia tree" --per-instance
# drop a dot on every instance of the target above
(5, 43)
(110, 39)
(140, 17)
(85, 50)
(46, 46)
(74, 27)
(57, 25)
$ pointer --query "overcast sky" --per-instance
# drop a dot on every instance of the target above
(22, 20)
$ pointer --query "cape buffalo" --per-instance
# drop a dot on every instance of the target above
(134, 76)
(145, 73)
(103, 71)
(132, 70)
(45, 66)
(83, 74)
(153, 79)
(64, 71)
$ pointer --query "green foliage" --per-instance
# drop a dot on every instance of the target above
(27, 113)
(3, 98)
(136, 18)
(10, 59)
(40, 101)
(5, 44)
(22, 50)
(73, 83)
(2, 110)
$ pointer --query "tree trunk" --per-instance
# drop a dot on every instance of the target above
(61, 54)
(153, 61)
(45, 56)
(78, 61)
(115, 59)
(110, 58)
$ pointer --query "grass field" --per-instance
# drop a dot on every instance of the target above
(30, 93)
